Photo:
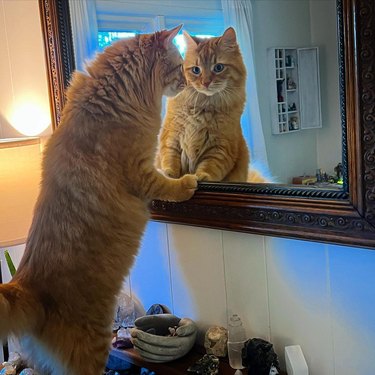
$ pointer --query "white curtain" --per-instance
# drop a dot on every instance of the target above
(85, 31)
(238, 14)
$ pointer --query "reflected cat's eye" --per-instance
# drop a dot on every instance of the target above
(218, 68)
(196, 69)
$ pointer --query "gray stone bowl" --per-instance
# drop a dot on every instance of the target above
(163, 337)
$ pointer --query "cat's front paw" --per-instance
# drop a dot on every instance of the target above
(169, 172)
(188, 184)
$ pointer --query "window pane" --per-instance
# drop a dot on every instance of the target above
(105, 38)
(180, 43)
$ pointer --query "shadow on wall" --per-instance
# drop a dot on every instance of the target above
(197, 275)
(150, 278)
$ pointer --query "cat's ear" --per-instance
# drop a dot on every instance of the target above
(229, 37)
(168, 35)
(190, 41)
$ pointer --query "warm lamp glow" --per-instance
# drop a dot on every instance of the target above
(20, 165)
(30, 119)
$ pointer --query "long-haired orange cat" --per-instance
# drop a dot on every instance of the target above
(98, 177)
(201, 132)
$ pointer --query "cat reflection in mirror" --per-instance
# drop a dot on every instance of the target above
(201, 132)
(98, 178)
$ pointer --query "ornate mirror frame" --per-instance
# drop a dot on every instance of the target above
(343, 217)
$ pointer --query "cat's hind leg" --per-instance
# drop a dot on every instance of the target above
(87, 353)
(239, 172)
(92, 363)
(69, 349)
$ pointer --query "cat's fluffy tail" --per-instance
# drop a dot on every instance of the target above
(19, 311)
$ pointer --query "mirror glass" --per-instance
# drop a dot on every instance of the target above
(293, 125)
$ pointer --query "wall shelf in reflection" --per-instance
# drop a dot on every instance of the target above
(295, 84)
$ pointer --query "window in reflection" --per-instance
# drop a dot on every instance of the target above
(180, 42)
(105, 38)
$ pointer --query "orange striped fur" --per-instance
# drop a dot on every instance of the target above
(98, 178)
(201, 132)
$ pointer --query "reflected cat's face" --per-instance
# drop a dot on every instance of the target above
(214, 65)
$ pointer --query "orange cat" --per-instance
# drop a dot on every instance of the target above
(98, 177)
(202, 132)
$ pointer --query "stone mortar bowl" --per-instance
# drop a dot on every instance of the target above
(163, 337)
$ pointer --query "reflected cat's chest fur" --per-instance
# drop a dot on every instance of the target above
(195, 138)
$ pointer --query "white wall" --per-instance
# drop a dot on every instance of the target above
(23, 79)
(288, 292)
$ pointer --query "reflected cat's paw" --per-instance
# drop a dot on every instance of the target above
(203, 176)
(189, 181)
(169, 172)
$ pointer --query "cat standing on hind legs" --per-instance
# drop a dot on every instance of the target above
(98, 178)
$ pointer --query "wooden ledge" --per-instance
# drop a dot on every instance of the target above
(177, 367)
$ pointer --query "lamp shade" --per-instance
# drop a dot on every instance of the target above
(20, 174)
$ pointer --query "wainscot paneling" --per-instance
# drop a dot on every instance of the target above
(197, 273)
(150, 277)
(246, 281)
(353, 301)
(299, 301)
